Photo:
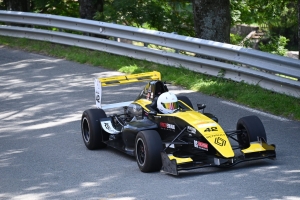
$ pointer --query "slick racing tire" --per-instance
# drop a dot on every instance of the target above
(252, 130)
(91, 129)
(186, 100)
(148, 146)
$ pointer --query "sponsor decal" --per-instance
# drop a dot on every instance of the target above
(191, 130)
(164, 125)
(201, 145)
(98, 98)
(220, 141)
(215, 135)
(107, 127)
(203, 125)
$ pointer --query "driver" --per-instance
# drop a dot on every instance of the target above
(167, 103)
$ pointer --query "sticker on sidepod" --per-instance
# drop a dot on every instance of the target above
(215, 135)
(168, 126)
(191, 130)
(108, 127)
(201, 145)
(204, 125)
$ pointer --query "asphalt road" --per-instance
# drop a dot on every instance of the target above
(42, 155)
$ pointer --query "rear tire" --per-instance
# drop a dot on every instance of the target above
(252, 129)
(91, 129)
(186, 100)
(148, 146)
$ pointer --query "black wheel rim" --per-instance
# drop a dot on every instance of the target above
(85, 130)
(140, 150)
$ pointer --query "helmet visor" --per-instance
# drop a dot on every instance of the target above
(170, 106)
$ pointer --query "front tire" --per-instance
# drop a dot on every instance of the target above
(91, 129)
(148, 146)
(252, 129)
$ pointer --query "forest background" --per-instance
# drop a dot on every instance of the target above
(205, 19)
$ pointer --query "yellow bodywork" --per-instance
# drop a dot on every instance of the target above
(125, 79)
(211, 130)
(180, 160)
(143, 103)
(258, 147)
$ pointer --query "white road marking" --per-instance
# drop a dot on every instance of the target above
(256, 111)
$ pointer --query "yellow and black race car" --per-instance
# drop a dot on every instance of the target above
(183, 139)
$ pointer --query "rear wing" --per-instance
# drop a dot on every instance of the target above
(123, 79)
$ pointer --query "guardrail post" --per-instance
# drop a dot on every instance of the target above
(176, 50)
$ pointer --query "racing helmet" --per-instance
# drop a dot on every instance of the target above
(167, 103)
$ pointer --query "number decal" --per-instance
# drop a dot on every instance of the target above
(211, 129)
(214, 128)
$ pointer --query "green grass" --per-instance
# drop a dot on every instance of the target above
(250, 95)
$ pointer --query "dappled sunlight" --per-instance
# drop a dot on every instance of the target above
(288, 198)
(178, 196)
(265, 170)
(30, 196)
(26, 62)
(57, 122)
(36, 192)
(275, 174)
(240, 175)
(289, 177)
(215, 183)
(14, 65)
(10, 96)
(89, 184)
(106, 74)
(42, 155)
(288, 180)
(7, 157)
(177, 92)
(35, 188)
(129, 69)
(10, 82)
(292, 171)
(29, 112)
(46, 135)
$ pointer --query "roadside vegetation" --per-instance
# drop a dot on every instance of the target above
(249, 95)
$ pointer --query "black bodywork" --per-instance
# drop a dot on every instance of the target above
(178, 138)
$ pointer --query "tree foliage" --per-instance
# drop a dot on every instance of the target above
(174, 15)
(280, 16)
(163, 15)
(56, 7)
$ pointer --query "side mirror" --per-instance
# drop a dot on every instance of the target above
(201, 107)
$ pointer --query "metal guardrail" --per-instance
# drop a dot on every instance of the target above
(270, 71)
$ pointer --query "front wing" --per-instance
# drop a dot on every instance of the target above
(256, 151)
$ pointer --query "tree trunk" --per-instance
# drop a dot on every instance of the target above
(88, 8)
(212, 19)
(18, 5)
(299, 29)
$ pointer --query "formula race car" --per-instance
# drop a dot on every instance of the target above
(164, 132)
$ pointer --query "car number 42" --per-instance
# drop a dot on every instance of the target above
(211, 129)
